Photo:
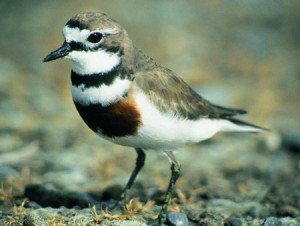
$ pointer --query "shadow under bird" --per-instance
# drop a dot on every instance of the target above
(129, 99)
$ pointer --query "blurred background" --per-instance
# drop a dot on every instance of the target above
(242, 54)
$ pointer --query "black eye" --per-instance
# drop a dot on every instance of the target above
(95, 37)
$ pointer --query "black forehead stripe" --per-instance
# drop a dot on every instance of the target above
(78, 46)
(76, 24)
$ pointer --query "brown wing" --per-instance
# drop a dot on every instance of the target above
(172, 95)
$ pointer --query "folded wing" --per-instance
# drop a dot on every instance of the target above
(174, 96)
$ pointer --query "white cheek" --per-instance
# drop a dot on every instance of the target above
(88, 62)
(103, 95)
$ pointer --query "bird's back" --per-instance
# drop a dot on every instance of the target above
(172, 95)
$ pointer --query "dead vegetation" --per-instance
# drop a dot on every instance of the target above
(11, 187)
(132, 208)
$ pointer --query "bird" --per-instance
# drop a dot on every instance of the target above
(128, 98)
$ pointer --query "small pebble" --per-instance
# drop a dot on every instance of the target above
(233, 222)
(272, 221)
(33, 219)
(177, 219)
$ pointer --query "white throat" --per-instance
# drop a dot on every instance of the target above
(93, 62)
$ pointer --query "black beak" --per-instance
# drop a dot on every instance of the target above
(62, 51)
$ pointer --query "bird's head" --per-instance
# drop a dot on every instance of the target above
(93, 42)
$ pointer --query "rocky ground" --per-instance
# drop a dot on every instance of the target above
(236, 180)
(54, 171)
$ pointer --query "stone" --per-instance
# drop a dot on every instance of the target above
(177, 219)
(55, 198)
(112, 192)
(33, 219)
(272, 221)
(233, 222)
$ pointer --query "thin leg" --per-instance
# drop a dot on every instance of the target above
(175, 174)
(140, 160)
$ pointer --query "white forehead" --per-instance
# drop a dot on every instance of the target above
(75, 34)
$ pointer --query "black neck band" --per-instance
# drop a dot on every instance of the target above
(98, 79)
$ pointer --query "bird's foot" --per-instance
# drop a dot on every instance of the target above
(161, 218)
(162, 214)
(121, 203)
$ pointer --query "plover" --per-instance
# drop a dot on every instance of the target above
(129, 99)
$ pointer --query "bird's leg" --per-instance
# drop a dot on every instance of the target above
(140, 160)
(175, 174)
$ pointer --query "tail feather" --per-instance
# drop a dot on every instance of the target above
(242, 126)
(229, 112)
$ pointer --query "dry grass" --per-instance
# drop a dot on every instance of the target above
(106, 215)
(174, 207)
(6, 193)
(18, 213)
(132, 208)
(12, 187)
(20, 210)
(182, 197)
(56, 221)
(9, 189)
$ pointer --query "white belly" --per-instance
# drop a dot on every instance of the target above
(164, 131)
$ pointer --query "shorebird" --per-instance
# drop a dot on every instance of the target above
(129, 99)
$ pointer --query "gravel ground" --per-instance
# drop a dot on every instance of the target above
(54, 171)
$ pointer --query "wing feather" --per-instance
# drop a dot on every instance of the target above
(173, 95)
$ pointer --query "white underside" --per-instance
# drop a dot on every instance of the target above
(164, 131)
(103, 94)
